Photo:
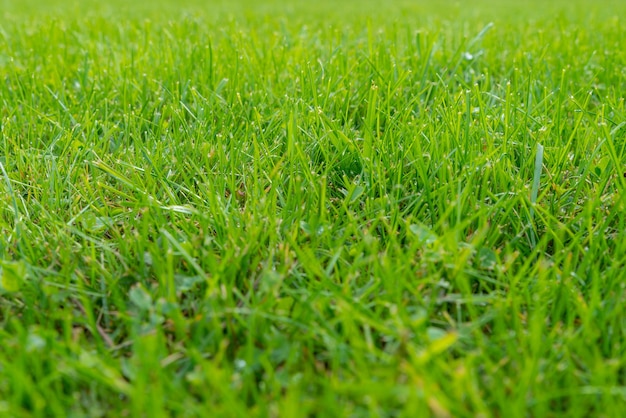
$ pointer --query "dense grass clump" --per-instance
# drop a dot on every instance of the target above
(379, 208)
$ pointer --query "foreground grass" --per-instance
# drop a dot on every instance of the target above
(383, 209)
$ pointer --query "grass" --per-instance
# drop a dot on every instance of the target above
(368, 208)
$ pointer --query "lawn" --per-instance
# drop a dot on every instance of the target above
(288, 208)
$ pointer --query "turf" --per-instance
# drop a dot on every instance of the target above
(358, 208)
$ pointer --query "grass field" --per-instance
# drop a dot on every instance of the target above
(358, 208)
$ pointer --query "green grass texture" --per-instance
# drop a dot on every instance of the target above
(312, 209)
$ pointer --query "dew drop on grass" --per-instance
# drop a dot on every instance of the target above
(240, 364)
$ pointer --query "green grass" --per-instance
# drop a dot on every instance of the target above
(326, 208)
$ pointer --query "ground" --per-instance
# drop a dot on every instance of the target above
(358, 208)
